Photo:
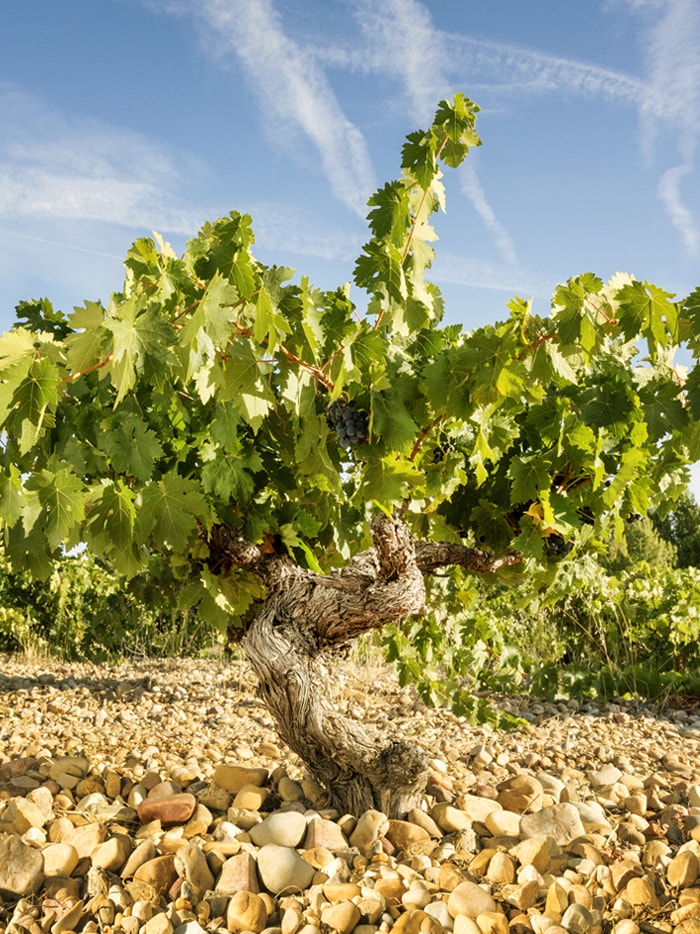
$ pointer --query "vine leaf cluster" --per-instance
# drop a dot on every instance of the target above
(198, 396)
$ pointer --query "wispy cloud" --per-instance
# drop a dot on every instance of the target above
(55, 167)
(293, 89)
(477, 273)
(471, 186)
(680, 215)
(671, 106)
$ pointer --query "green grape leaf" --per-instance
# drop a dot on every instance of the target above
(169, 512)
(111, 527)
(33, 403)
(530, 474)
(380, 270)
(132, 446)
(390, 216)
(388, 481)
(11, 496)
(59, 505)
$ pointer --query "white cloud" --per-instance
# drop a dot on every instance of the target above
(670, 107)
(55, 167)
(400, 38)
(293, 89)
(471, 186)
(681, 217)
(475, 272)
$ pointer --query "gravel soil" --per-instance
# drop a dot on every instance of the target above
(585, 819)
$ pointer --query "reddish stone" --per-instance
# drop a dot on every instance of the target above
(176, 809)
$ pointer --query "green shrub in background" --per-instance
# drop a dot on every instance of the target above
(626, 624)
(84, 612)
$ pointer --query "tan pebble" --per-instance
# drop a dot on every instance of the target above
(315, 793)
(557, 901)
(520, 793)
(159, 873)
(172, 840)
(70, 920)
(113, 853)
(501, 869)
(417, 896)
(372, 907)
(291, 920)
(19, 815)
(75, 766)
(480, 863)
(492, 922)
(416, 921)
(465, 925)
(475, 807)
(537, 852)
(470, 899)
(689, 895)
(89, 786)
(424, 820)
(371, 826)
(402, 834)
(158, 924)
(683, 870)
(636, 804)
(233, 778)
(318, 856)
(141, 854)
(503, 823)
(449, 877)
(341, 917)
(626, 926)
(640, 892)
(392, 890)
(112, 782)
(622, 871)
(449, 818)
(86, 838)
(250, 798)
(246, 912)
(59, 859)
(339, 891)
(686, 912)
(522, 895)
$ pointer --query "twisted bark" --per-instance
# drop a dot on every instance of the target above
(290, 647)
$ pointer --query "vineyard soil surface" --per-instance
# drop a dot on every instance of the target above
(155, 796)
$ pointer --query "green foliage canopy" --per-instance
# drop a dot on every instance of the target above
(198, 395)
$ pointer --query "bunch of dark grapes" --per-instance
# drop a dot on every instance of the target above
(556, 546)
(444, 447)
(349, 423)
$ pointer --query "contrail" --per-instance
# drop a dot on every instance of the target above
(66, 246)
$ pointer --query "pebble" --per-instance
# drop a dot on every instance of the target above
(282, 869)
(585, 820)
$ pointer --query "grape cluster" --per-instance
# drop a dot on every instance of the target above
(444, 447)
(349, 423)
(557, 547)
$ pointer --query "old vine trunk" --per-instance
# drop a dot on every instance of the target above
(290, 646)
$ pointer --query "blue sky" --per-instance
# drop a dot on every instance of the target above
(123, 116)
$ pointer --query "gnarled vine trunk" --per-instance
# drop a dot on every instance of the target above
(290, 647)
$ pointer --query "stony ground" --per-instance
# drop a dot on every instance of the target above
(155, 797)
